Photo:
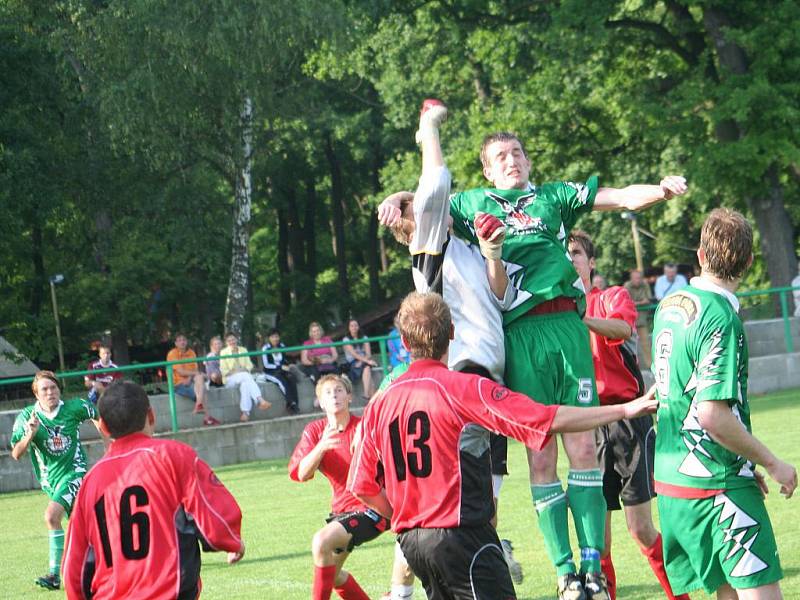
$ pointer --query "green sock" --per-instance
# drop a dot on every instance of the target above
(56, 539)
(551, 506)
(588, 505)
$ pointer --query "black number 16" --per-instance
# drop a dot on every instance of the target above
(128, 521)
(419, 462)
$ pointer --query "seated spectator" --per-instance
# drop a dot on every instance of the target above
(213, 372)
(397, 353)
(359, 357)
(99, 382)
(318, 361)
(599, 282)
(236, 372)
(187, 379)
(276, 370)
(671, 281)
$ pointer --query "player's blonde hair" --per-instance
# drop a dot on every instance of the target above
(727, 240)
(332, 377)
(424, 322)
(44, 375)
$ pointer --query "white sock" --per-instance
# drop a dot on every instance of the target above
(402, 592)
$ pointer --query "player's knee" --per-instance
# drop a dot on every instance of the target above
(319, 543)
(643, 533)
(52, 518)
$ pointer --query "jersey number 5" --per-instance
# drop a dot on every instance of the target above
(128, 522)
(419, 462)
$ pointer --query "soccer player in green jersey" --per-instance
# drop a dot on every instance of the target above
(716, 531)
(49, 429)
(548, 356)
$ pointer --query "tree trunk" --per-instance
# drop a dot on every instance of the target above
(39, 278)
(283, 262)
(309, 227)
(337, 204)
(297, 258)
(236, 304)
(119, 345)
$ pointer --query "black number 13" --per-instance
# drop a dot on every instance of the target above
(128, 521)
(419, 462)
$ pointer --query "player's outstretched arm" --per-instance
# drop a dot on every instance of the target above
(716, 417)
(491, 234)
(573, 418)
(637, 197)
(389, 211)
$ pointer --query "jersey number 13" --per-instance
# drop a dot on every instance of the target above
(418, 461)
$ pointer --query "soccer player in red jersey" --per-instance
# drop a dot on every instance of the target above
(142, 510)
(326, 446)
(625, 449)
(414, 427)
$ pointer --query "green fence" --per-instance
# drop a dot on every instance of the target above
(380, 340)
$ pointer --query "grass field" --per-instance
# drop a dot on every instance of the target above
(281, 516)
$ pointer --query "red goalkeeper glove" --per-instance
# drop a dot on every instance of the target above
(491, 234)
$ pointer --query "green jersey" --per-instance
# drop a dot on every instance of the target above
(537, 222)
(393, 374)
(56, 451)
(699, 355)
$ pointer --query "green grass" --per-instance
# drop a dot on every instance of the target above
(281, 516)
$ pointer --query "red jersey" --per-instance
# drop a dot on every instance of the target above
(334, 465)
(616, 367)
(104, 378)
(414, 428)
(138, 518)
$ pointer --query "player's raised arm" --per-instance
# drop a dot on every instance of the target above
(491, 234)
(637, 197)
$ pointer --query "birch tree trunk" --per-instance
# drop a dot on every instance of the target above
(236, 304)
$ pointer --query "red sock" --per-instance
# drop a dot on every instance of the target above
(607, 566)
(350, 590)
(655, 557)
(323, 582)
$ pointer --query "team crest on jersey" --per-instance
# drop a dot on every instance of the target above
(685, 305)
(499, 394)
(516, 220)
(57, 443)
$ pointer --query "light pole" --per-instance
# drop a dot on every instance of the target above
(54, 279)
(637, 246)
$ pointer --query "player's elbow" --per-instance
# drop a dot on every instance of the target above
(709, 417)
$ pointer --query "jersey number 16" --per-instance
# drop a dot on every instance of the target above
(128, 522)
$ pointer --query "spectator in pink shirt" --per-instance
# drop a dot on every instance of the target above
(318, 361)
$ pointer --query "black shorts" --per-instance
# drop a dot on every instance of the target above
(625, 451)
(363, 526)
(498, 444)
(458, 563)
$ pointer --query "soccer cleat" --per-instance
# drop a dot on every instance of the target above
(49, 582)
(245, 417)
(513, 566)
(570, 587)
(431, 116)
(596, 586)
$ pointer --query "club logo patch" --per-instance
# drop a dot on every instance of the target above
(57, 443)
(516, 220)
(499, 394)
(685, 306)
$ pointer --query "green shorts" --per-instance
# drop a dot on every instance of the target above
(65, 492)
(711, 541)
(549, 358)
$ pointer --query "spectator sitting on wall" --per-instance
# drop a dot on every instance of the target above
(187, 379)
(639, 292)
(213, 371)
(397, 353)
(796, 293)
(671, 281)
(318, 361)
(276, 370)
(236, 372)
(99, 382)
(359, 357)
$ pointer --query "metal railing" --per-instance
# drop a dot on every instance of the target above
(380, 340)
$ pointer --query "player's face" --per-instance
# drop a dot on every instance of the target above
(315, 332)
(334, 398)
(508, 166)
(48, 394)
(636, 277)
(353, 328)
(583, 264)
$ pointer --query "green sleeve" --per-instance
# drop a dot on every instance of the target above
(18, 432)
(717, 352)
(463, 213)
(393, 374)
(576, 199)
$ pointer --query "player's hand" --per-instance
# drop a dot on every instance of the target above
(388, 213)
(330, 439)
(673, 185)
(234, 557)
(761, 482)
(33, 425)
(644, 405)
(785, 474)
(491, 234)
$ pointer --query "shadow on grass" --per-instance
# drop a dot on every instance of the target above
(389, 541)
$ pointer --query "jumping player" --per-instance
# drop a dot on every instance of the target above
(326, 446)
(547, 343)
(717, 533)
(415, 427)
(143, 509)
(625, 449)
(458, 271)
(50, 429)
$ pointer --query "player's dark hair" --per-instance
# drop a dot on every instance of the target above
(499, 136)
(123, 407)
(274, 331)
(727, 240)
(44, 375)
(424, 322)
(579, 236)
